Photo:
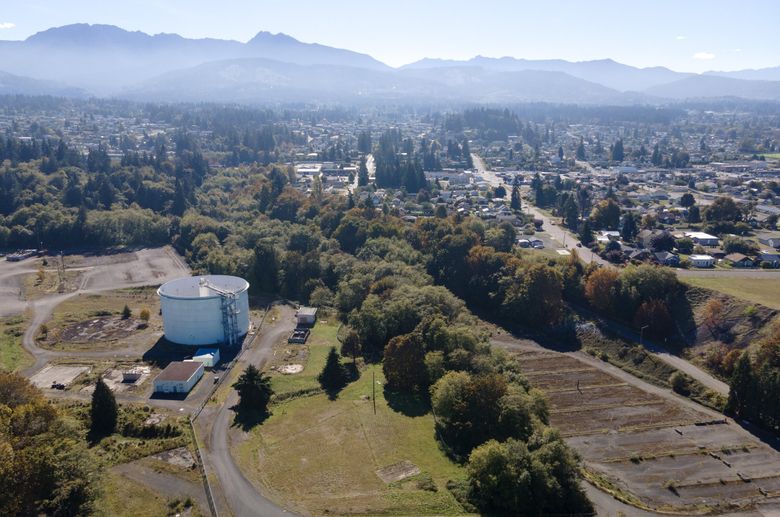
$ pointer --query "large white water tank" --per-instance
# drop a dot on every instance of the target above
(196, 310)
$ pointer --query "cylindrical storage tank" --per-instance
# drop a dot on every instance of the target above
(193, 308)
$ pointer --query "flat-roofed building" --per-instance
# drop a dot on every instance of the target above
(178, 377)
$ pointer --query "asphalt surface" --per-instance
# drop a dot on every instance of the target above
(565, 239)
(241, 497)
(146, 267)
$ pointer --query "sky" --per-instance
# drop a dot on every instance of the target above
(684, 35)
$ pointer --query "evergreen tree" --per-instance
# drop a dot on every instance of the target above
(629, 229)
(617, 151)
(742, 388)
(560, 152)
(581, 151)
(104, 411)
(466, 152)
(351, 346)
(571, 213)
(333, 376)
(515, 201)
(254, 389)
(585, 232)
(656, 159)
(694, 216)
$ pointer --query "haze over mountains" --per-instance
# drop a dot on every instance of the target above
(104, 60)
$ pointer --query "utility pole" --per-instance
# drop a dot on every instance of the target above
(373, 388)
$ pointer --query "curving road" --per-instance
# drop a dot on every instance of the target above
(241, 497)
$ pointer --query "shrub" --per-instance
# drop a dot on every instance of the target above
(679, 383)
(144, 314)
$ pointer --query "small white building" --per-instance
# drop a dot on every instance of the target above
(705, 239)
(178, 377)
(208, 356)
(702, 260)
(306, 315)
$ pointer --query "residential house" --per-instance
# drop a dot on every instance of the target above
(772, 258)
(667, 258)
(772, 242)
(702, 260)
(739, 260)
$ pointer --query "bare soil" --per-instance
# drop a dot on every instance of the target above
(398, 471)
(663, 452)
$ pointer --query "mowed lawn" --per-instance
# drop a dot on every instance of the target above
(764, 291)
(321, 456)
(123, 497)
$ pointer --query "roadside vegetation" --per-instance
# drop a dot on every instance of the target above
(12, 356)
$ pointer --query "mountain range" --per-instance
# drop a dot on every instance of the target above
(104, 60)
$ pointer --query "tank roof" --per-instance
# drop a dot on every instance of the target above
(202, 287)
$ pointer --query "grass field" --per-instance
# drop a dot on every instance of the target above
(12, 355)
(765, 291)
(772, 156)
(321, 456)
(71, 326)
(123, 497)
(322, 338)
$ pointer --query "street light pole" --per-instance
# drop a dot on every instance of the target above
(641, 332)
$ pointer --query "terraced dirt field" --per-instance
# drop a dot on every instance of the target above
(648, 446)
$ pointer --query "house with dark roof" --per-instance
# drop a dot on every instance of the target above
(667, 258)
(739, 260)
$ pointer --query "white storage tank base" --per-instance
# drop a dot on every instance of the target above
(204, 310)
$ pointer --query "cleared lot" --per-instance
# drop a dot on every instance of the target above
(57, 373)
(650, 448)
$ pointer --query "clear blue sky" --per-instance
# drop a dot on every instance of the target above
(685, 35)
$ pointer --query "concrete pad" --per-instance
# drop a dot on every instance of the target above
(57, 373)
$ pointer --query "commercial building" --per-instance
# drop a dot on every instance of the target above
(705, 239)
(306, 316)
(178, 377)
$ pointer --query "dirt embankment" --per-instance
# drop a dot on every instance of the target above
(718, 324)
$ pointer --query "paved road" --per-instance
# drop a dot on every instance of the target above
(566, 239)
(663, 354)
(242, 498)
